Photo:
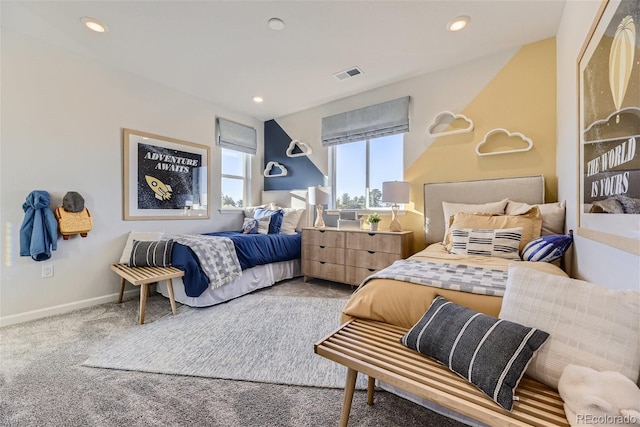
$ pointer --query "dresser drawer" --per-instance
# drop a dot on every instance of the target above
(323, 253)
(355, 275)
(323, 270)
(370, 259)
(379, 242)
(326, 238)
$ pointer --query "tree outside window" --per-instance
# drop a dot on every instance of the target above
(361, 167)
(234, 182)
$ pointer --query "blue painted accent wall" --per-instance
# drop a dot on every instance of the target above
(301, 172)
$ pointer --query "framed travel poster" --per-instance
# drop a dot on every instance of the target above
(609, 127)
(164, 178)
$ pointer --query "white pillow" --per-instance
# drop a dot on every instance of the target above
(552, 215)
(263, 224)
(450, 209)
(143, 236)
(589, 325)
(501, 243)
(290, 221)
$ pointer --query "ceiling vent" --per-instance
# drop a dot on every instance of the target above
(351, 72)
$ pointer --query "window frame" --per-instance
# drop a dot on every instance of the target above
(245, 178)
(333, 153)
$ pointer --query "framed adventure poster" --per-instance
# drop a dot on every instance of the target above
(164, 178)
(609, 126)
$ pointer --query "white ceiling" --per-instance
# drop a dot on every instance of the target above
(224, 52)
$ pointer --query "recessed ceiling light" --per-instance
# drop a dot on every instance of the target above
(459, 23)
(257, 99)
(94, 25)
(276, 24)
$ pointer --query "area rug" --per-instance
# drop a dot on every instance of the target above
(259, 338)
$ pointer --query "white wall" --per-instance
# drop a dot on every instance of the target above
(593, 261)
(62, 118)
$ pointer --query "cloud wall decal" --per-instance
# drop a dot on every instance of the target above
(305, 150)
(268, 170)
(510, 135)
(446, 118)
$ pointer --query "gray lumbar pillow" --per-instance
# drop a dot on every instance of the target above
(73, 202)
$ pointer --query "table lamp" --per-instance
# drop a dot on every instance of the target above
(395, 192)
(319, 196)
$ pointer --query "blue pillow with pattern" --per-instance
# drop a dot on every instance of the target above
(250, 226)
(275, 218)
(547, 248)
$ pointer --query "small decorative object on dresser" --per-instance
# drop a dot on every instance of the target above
(319, 196)
(373, 221)
(395, 192)
(348, 256)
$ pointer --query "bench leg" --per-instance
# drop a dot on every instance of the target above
(121, 290)
(171, 296)
(144, 289)
(370, 390)
(349, 387)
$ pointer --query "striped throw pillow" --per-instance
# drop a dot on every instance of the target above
(547, 248)
(488, 352)
(151, 254)
(502, 243)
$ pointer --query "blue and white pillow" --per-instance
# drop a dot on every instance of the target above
(275, 219)
(547, 248)
(250, 226)
(488, 352)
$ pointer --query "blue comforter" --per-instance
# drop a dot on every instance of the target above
(252, 250)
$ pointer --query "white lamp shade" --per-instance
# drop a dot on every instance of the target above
(319, 196)
(396, 191)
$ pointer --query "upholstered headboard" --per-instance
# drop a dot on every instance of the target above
(527, 189)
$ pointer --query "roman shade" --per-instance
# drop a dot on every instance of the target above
(375, 121)
(236, 136)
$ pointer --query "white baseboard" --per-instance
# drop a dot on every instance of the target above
(63, 308)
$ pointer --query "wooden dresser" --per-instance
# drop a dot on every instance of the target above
(348, 256)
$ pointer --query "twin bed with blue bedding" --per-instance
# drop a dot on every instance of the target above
(263, 259)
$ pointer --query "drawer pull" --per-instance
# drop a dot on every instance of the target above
(321, 231)
(322, 262)
(371, 269)
(322, 247)
(372, 252)
(371, 234)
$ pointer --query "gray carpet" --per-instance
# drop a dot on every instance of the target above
(260, 338)
(42, 382)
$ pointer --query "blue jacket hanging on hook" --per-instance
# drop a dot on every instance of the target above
(39, 231)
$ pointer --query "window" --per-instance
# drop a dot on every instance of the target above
(235, 178)
(360, 168)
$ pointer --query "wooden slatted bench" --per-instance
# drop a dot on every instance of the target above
(373, 348)
(143, 276)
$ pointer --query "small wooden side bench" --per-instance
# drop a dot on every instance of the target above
(143, 276)
(372, 348)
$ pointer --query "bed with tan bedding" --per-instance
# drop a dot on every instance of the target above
(501, 203)
(403, 303)
(452, 266)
